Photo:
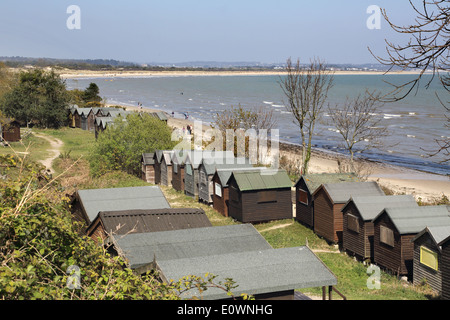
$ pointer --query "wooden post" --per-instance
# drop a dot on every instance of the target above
(330, 290)
(324, 295)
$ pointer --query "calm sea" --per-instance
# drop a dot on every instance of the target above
(415, 122)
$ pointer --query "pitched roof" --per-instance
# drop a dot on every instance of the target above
(147, 158)
(414, 219)
(195, 158)
(341, 192)
(315, 180)
(225, 174)
(370, 206)
(437, 233)
(260, 180)
(255, 272)
(159, 154)
(139, 221)
(114, 199)
(159, 115)
(142, 248)
(84, 111)
(212, 164)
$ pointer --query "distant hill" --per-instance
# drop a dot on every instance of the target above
(105, 64)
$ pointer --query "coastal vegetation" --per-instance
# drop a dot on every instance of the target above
(37, 97)
(33, 271)
(306, 90)
(120, 147)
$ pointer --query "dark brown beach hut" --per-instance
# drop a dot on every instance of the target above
(330, 198)
(358, 214)
(257, 196)
(148, 167)
(220, 186)
(427, 260)
(9, 130)
(394, 230)
(151, 220)
(206, 170)
(304, 189)
(445, 268)
(158, 157)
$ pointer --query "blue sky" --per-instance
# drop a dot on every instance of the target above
(199, 30)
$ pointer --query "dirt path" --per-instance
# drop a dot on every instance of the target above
(54, 150)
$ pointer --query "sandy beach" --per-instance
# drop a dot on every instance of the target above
(423, 186)
(79, 74)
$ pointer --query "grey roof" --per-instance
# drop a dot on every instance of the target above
(315, 180)
(260, 180)
(195, 158)
(370, 206)
(341, 192)
(103, 121)
(437, 233)
(141, 248)
(153, 220)
(159, 115)
(414, 219)
(147, 158)
(84, 111)
(212, 164)
(255, 272)
(159, 154)
(225, 174)
(115, 199)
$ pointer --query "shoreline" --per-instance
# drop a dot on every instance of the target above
(86, 74)
(422, 185)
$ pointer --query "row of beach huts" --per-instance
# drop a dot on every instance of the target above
(391, 231)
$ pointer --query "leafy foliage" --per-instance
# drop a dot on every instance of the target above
(121, 145)
(40, 97)
(43, 256)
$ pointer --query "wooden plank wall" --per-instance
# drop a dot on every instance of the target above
(422, 272)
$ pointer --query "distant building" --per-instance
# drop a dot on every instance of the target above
(9, 130)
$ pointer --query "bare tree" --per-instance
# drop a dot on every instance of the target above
(306, 90)
(358, 125)
(426, 49)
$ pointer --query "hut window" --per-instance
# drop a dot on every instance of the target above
(189, 170)
(387, 236)
(303, 196)
(267, 196)
(428, 258)
(353, 223)
(218, 190)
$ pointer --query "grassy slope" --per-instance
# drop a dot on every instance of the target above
(352, 275)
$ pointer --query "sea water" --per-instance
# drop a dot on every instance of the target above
(415, 123)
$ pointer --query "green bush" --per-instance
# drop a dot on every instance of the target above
(121, 145)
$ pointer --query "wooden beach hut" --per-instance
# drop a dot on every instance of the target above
(358, 213)
(445, 268)
(158, 157)
(148, 167)
(192, 164)
(427, 259)
(206, 170)
(220, 187)
(330, 198)
(86, 204)
(179, 158)
(9, 130)
(84, 118)
(258, 196)
(166, 168)
(260, 270)
(151, 220)
(304, 189)
(394, 230)
(72, 116)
